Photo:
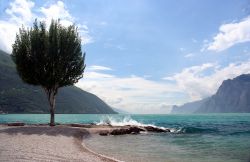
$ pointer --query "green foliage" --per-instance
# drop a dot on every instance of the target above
(52, 58)
(18, 97)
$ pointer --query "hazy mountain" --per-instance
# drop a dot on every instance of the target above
(121, 111)
(18, 97)
(232, 96)
(187, 108)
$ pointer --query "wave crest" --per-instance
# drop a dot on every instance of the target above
(127, 120)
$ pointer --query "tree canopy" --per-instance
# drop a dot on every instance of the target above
(49, 58)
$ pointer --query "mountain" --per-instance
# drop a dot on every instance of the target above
(188, 108)
(18, 97)
(233, 96)
(121, 111)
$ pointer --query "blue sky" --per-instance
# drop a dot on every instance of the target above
(144, 56)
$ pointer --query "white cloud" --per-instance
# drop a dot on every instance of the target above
(134, 94)
(141, 95)
(230, 34)
(96, 75)
(20, 12)
(98, 68)
(7, 34)
(189, 55)
(59, 11)
(204, 80)
(56, 11)
(85, 36)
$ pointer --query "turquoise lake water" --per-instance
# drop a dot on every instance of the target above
(193, 138)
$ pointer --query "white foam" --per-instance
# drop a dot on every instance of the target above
(123, 121)
(175, 130)
(109, 120)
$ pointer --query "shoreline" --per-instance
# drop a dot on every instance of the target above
(59, 143)
(199, 140)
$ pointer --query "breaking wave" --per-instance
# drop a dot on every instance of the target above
(127, 120)
(109, 120)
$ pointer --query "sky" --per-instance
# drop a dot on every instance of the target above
(143, 56)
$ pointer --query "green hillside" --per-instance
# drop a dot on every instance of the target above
(18, 97)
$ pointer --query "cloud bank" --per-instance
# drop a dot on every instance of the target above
(231, 34)
(21, 12)
(133, 94)
(204, 80)
(141, 95)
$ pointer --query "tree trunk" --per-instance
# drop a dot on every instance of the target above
(51, 94)
(52, 110)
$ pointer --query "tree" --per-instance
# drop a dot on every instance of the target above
(49, 58)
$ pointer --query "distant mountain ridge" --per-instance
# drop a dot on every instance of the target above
(233, 96)
(18, 97)
(119, 111)
(187, 108)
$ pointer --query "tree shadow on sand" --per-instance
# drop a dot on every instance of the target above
(45, 130)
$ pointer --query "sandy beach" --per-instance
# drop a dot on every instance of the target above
(44, 143)
(63, 142)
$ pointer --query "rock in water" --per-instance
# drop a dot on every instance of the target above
(121, 131)
(136, 130)
(132, 130)
(16, 124)
(104, 133)
(156, 129)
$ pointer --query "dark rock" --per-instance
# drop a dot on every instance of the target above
(81, 125)
(104, 133)
(132, 130)
(121, 131)
(156, 129)
(167, 130)
(16, 124)
(136, 130)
